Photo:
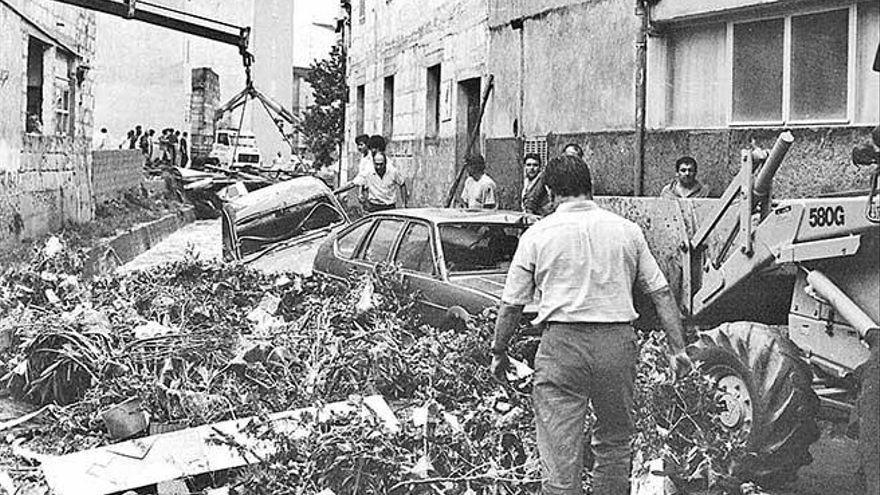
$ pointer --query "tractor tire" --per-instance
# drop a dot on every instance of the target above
(869, 421)
(766, 386)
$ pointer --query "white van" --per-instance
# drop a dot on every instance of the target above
(245, 145)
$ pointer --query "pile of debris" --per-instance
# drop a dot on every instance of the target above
(228, 379)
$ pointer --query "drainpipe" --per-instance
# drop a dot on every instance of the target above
(640, 87)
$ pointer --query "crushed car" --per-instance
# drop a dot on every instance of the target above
(278, 228)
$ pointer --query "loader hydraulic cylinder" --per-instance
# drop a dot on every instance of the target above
(842, 304)
(764, 180)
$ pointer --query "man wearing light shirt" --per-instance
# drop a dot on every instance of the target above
(380, 186)
(365, 164)
(582, 263)
(478, 191)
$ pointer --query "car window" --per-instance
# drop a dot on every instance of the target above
(223, 139)
(382, 239)
(348, 242)
(414, 252)
(469, 247)
(274, 226)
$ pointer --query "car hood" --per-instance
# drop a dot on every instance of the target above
(296, 255)
(489, 283)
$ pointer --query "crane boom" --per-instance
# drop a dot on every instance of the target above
(186, 23)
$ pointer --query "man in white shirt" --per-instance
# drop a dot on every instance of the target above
(582, 263)
(380, 186)
(365, 164)
(479, 189)
(103, 141)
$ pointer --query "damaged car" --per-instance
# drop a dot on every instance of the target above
(278, 228)
(456, 260)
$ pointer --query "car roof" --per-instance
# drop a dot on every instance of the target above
(459, 215)
(277, 196)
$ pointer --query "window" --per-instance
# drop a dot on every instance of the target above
(62, 108)
(696, 90)
(382, 240)
(469, 247)
(348, 242)
(757, 71)
(811, 67)
(536, 145)
(432, 102)
(360, 93)
(415, 250)
(388, 108)
(34, 109)
(819, 63)
(64, 92)
(277, 225)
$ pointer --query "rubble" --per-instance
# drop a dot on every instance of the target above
(197, 344)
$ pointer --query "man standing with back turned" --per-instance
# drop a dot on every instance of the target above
(583, 262)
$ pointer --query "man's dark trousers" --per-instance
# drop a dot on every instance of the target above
(579, 363)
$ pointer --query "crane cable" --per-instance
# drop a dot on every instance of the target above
(238, 134)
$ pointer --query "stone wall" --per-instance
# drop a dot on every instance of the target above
(204, 101)
(116, 171)
(818, 163)
(45, 176)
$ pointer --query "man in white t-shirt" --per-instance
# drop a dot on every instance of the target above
(479, 189)
(365, 163)
(381, 185)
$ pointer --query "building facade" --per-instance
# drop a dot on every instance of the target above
(721, 75)
(416, 71)
(46, 103)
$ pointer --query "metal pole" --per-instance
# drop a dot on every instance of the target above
(640, 79)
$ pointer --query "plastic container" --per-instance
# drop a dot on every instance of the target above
(126, 419)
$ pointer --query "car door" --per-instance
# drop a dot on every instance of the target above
(417, 260)
(335, 256)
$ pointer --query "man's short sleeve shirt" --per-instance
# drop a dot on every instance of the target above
(580, 265)
(381, 190)
(478, 194)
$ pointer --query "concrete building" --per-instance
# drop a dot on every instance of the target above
(720, 75)
(46, 102)
(415, 73)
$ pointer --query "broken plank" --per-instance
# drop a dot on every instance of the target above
(189, 452)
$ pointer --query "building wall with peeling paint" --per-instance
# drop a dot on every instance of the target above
(45, 173)
(565, 73)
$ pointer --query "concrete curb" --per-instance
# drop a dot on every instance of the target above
(122, 248)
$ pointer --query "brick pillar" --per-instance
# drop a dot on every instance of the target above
(204, 100)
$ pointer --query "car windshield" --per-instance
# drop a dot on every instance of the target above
(280, 225)
(473, 247)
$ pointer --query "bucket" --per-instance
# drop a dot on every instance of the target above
(125, 419)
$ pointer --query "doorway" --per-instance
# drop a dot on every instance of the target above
(468, 118)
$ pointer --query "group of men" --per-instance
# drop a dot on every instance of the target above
(173, 146)
(579, 265)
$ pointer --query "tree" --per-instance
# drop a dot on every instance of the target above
(323, 122)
